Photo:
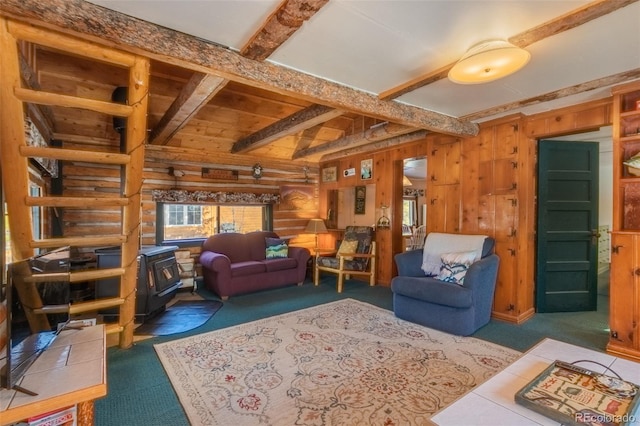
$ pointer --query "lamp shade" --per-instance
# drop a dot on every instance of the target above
(316, 226)
(406, 181)
(488, 61)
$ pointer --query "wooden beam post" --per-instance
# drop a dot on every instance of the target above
(136, 136)
(14, 165)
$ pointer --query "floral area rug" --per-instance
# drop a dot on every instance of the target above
(342, 363)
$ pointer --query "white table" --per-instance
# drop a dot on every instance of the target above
(70, 371)
(492, 403)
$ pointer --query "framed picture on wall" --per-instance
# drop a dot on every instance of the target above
(361, 199)
(366, 169)
(330, 174)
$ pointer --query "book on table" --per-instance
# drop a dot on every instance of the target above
(573, 395)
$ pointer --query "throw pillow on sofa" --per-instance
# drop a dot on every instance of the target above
(348, 247)
(454, 266)
(277, 248)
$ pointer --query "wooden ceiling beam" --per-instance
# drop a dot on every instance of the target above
(376, 146)
(114, 29)
(375, 133)
(198, 91)
(179, 155)
(307, 137)
(573, 19)
(557, 94)
(295, 123)
(283, 22)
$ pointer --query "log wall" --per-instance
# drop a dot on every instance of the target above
(86, 180)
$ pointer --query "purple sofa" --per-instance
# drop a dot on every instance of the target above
(234, 263)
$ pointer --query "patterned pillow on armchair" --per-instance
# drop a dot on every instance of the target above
(364, 236)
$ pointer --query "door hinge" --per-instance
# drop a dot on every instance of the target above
(616, 249)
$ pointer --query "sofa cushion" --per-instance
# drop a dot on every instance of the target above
(280, 264)
(433, 291)
(251, 267)
(454, 266)
(276, 248)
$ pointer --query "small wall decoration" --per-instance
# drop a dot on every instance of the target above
(257, 171)
(330, 174)
(349, 172)
(366, 169)
(361, 199)
(219, 174)
(298, 198)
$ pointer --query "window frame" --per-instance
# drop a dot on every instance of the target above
(267, 222)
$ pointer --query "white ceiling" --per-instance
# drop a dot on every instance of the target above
(375, 45)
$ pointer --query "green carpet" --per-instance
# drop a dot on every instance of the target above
(139, 392)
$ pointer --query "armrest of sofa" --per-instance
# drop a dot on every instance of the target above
(214, 261)
(409, 263)
(301, 254)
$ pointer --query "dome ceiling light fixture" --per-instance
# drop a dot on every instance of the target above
(487, 61)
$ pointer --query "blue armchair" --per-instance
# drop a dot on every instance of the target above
(459, 309)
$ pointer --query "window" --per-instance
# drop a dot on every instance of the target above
(410, 211)
(177, 222)
(36, 213)
(183, 215)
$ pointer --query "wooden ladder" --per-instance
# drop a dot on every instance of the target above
(16, 154)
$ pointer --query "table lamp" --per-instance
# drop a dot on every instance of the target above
(316, 226)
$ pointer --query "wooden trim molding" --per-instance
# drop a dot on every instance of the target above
(182, 196)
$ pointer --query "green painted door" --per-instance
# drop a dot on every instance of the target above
(567, 243)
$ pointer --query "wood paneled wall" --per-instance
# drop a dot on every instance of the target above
(480, 185)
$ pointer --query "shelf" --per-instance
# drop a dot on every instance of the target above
(630, 138)
(634, 113)
(629, 181)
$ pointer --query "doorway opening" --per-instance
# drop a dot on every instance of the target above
(599, 231)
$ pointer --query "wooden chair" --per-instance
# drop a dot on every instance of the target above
(418, 237)
(358, 261)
